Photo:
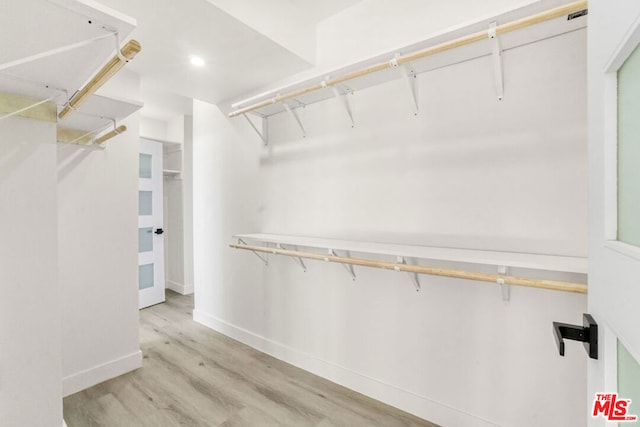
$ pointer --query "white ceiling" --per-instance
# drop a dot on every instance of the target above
(243, 51)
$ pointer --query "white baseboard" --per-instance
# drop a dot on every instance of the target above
(421, 406)
(179, 287)
(90, 377)
(64, 424)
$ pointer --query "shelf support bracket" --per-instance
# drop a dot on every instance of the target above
(344, 100)
(347, 267)
(414, 276)
(263, 259)
(505, 289)
(409, 76)
(293, 113)
(496, 53)
(297, 260)
(264, 135)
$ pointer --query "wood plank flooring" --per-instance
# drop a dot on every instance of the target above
(193, 376)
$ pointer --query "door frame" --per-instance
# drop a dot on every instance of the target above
(155, 294)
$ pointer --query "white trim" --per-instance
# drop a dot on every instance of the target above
(64, 424)
(179, 287)
(413, 403)
(623, 248)
(610, 156)
(626, 47)
(92, 376)
(610, 358)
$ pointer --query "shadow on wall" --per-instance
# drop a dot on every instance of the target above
(14, 153)
(70, 156)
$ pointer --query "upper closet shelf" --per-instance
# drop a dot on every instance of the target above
(97, 115)
(556, 263)
(489, 37)
(67, 49)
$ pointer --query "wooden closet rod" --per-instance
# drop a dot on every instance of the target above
(579, 288)
(128, 52)
(442, 47)
(107, 136)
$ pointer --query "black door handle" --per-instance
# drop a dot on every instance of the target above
(159, 231)
(587, 333)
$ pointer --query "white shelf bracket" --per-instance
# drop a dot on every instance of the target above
(297, 260)
(496, 53)
(414, 276)
(347, 267)
(409, 76)
(345, 102)
(293, 113)
(264, 135)
(505, 289)
(263, 259)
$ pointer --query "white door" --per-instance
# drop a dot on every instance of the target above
(614, 171)
(150, 225)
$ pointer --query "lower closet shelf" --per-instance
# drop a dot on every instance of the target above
(290, 246)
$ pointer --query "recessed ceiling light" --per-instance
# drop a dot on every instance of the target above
(196, 61)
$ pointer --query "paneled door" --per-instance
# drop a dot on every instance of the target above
(150, 225)
(614, 263)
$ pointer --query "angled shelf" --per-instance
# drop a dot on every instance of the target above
(488, 37)
(98, 114)
(75, 43)
(41, 57)
(301, 247)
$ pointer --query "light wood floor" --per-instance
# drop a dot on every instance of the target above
(193, 376)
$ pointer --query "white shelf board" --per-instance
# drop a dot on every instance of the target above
(95, 114)
(495, 258)
(508, 41)
(32, 27)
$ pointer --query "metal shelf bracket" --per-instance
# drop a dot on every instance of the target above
(264, 134)
(410, 77)
(264, 259)
(343, 98)
(297, 260)
(347, 267)
(293, 113)
(505, 289)
(496, 53)
(414, 276)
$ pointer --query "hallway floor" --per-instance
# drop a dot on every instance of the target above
(193, 376)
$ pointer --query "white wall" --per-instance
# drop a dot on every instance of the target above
(153, 128)
(187, 201)
(372, 27)
(469, 172)
(296, 33)
(30, 354)
(98, 205)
